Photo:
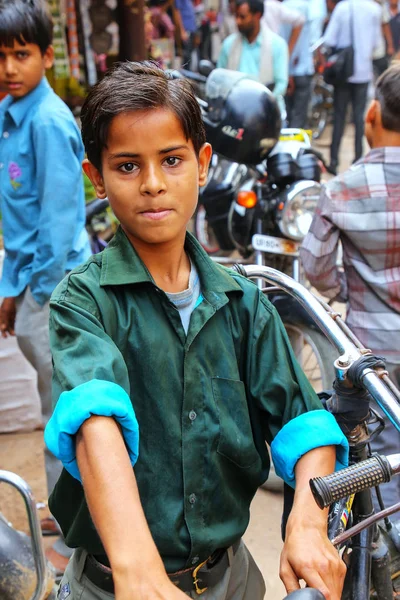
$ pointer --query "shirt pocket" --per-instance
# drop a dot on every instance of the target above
(18, 177)
(236, 437)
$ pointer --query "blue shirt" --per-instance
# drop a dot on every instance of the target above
(188, 16)
(301, 61)
(41, 193)
(251, 55)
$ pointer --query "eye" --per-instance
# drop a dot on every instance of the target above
(172, 161)
(127, 167)
(22, 54)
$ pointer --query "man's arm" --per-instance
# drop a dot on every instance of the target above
(296, 20)
(332, 33)
(280, 56)
(387, 34)
(321, 566)
(222, 61)
(109, 482)
(319, 251)
(58, 150)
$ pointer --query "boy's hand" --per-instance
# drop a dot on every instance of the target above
(7, 317)
(308, 554)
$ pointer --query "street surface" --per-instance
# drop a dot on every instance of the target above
(22, 453)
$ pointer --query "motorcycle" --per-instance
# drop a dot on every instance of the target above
(260, 197)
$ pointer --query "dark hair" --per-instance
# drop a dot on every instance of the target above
(132, 86)
(387, 93)
(27, 22)
(255, 6)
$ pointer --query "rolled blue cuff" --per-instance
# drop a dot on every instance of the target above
(95, 397)
(310, 430)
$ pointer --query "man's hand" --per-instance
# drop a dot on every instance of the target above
(7, 317)
(308, 554)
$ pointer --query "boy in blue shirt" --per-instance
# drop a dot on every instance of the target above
(41, 190)
(152, 334)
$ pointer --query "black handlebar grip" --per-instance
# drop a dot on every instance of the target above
(363, 475)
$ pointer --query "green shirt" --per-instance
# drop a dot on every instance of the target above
(205, 402)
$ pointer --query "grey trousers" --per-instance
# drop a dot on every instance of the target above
(297, 103)
(242, 580)
(32, 331)
(388, 442)
(343, 94)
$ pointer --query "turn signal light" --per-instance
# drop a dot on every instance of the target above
(247, 199)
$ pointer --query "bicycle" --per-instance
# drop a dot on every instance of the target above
(371, 551)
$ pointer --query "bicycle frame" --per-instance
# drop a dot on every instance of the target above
(369, 554)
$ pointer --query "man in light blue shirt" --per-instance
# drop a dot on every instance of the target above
(301, 66)
(256, 50)
(41, 191)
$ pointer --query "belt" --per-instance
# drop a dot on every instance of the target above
(199, 578)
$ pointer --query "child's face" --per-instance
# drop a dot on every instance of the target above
(151, 175)
(22, 67)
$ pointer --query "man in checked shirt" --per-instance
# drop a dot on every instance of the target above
(361, 209)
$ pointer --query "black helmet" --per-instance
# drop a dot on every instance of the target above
(243, 121)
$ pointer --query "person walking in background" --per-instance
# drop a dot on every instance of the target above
(354, 23)
(186, 23)
(41, 191)
(384, 50)
(301, 66)
(256, 50)
(277, 13)
(360, 209)
(394, 23)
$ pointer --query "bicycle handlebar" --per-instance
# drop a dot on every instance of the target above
(361, 476)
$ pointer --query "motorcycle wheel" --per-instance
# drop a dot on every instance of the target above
(204, 233)
(315, 354)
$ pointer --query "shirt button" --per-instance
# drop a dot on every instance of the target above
(6, 134)
(192, 415)
(195, 560)
(192, 498)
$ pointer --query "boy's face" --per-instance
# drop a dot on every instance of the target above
(151, 175)
(22, 67)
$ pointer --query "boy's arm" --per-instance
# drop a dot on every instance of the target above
(59, 151)
(114, 503)
(320, 565)
(319, 251)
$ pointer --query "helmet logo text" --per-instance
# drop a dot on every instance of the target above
(233, 133)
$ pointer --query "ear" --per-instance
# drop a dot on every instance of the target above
(48, 57)
(95, 177)
(204, 161)
(372, 112)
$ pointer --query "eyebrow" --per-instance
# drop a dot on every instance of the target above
(137, 155)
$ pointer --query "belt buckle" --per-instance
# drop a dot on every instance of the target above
(199, 590)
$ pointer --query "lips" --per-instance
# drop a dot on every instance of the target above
(13, 85)
(156, 214)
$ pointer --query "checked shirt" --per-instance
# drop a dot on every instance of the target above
(361, 209)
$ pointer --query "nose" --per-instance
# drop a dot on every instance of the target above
(10, 66)
(153, 180)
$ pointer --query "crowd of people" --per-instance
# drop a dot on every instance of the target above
(151, 338)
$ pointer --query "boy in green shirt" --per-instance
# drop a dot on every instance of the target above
(152, 334)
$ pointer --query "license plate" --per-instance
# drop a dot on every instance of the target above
(268, 243)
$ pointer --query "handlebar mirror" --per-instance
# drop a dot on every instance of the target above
(205, 67)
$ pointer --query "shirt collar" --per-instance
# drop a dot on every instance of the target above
(386, 154)
(257, 41)
(121, 266)
(17, 109)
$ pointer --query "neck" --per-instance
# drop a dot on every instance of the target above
(253, 35)
(386, 138)
(167, 263)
